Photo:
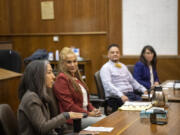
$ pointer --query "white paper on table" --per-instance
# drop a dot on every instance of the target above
(135, 103)
(169, 85)
(177, 86)
(135, 106)
(99, 129)
(146, 95)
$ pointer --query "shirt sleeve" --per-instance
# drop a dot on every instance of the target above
(138, 73)
(110, 89)
(135, 84)
(156, 78)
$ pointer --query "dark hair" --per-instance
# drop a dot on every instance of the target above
(34, 79)
(112, 45)
(154, 60)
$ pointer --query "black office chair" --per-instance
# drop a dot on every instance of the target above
(101, 95)
(8, 121)
(130, 68)
(11, 60)
(54, 111)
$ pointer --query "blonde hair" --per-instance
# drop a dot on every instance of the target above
(62, 68)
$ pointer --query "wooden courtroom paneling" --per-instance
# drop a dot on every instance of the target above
(70, 16)
(9, 83)
(167, 66)
(91, 47)
(4, 17)
(79, 23)
(178, 27)
(115, 22)
(90, 25)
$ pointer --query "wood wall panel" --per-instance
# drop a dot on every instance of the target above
(167, 66)
(178, 27)
(70, 16)
(4, 17)
(90, 25)
(91, 47)
(115, 22)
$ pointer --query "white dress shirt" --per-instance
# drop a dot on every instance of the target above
(118, 80)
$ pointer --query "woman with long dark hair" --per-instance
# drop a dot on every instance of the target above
(34, 117)
(145, 69)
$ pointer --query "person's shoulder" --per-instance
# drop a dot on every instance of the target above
(139, 63)
(105, 66)
(62, 75)
(29, 98)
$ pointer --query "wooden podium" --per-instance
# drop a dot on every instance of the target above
(9, 83)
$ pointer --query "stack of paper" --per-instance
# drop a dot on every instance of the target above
(168, 85)
(136, 106)
(177, 86)
(99, 129)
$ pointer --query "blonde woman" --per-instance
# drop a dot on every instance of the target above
(71, 91)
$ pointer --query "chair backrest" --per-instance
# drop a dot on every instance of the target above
(99, 85)
(11, 60)
(8, 121)
(130, 68)
(53, 104)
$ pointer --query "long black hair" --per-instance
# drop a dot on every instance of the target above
(154, 60)
(34, 79)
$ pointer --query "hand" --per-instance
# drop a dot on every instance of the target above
(156, 84)
(146, 92)
(95, 113)
(124, 98)
(74, 115)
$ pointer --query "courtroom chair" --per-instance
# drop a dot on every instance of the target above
(11, 60)
(130, 68)
(54, 111)
(8, 121)
(101, 94)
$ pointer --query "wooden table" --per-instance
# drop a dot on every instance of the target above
(129, 123)
(173, 94)
(9, 83)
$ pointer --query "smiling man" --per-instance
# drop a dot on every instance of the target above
(118, 81)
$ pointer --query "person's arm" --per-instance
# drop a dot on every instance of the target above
(138, 75)
(65, 96)
(135, 84)
(38, 117)
(109, 87)
(156, 78)
(90, 107)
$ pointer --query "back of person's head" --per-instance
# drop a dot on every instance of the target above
(112, 45)
(151, 49)
(34, 78)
